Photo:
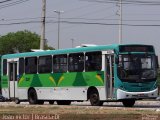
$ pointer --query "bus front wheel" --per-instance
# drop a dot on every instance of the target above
(128, 103)
(94, 98)
(32, 97)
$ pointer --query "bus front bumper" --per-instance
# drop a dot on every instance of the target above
(121, 94)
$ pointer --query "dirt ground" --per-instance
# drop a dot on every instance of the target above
(75, 112)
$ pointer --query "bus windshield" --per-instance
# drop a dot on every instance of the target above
(137, 67)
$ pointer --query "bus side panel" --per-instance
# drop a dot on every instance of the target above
(62, 86)
(61, 93)
(102, 93)
(5, 86)
(64, 93)
(5, 93)
(23, 93)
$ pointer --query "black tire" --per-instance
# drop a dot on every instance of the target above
(40, 102)
(32, 97)
(128, 103)
(63, 102)
(17, 101)
(51, 102)
(94, 98)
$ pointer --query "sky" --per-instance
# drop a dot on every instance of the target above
(85, 21)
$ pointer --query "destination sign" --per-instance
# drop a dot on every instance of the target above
(136, 48)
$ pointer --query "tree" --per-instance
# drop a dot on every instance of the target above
(21, 41)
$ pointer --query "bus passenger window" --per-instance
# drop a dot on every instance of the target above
(45, 64)
(76, 62)
(59, 63)
(93, 61)
(21, 66)
(4, 67)
(31, 65)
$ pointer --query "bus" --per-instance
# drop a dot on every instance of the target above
(102, 73)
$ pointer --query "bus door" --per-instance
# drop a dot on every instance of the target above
(12, 80)
(109, 72)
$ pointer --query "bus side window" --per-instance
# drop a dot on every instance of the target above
(31, 65)
(59, 63)
(21, 66)
(4, 67)
(93, 61)
(76, 62)
(45, 64)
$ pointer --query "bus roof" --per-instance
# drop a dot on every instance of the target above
(65, 51)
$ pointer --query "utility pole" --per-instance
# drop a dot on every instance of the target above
(59, 18)
(42, 42)
(120, 21)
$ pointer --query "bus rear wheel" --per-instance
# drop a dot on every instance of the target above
(17, 101)
(94, 99)
(63, 102)
(128, 103)
(51, 102)
(32, 97)
(40, 102)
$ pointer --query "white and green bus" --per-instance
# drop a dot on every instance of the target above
(123, 73)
